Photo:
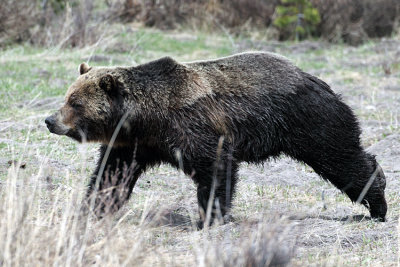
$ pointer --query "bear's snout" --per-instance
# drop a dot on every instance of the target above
(55, 126)
(50, 121)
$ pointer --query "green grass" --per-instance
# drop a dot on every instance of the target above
(149, 42)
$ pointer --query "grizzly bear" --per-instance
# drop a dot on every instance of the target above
(206, 117)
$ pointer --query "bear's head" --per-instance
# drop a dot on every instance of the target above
(89, 110)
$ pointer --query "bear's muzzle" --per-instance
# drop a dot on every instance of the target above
(55, 126)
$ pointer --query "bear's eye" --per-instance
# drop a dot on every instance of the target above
(75, 105)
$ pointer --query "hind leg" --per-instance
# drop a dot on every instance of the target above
(324, 133)
(215, 189)
(358, 175)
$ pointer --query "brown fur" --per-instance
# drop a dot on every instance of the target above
(259, 103)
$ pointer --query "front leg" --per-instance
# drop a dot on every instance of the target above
(113, 180)
(215, 189)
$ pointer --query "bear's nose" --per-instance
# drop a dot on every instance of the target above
(49, 121)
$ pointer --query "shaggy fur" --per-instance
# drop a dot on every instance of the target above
(208, 116)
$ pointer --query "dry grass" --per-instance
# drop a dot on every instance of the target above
(16, 20)
(39, 225)
(211, 14)
(52, 23)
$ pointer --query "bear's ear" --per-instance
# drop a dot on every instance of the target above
(83, 68)
(107, 83)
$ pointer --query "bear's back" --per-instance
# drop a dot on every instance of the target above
(248, 73)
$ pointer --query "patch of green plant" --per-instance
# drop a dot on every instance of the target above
(156, 42)
(3, 145)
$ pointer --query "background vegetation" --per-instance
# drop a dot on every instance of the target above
(79, 23)
(283, 214)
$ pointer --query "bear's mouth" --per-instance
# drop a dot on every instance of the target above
(76, 135)
(58, 128)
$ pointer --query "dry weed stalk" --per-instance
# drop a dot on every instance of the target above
(264, 243)
(40, 225)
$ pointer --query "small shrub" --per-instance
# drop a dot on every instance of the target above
(296, 19)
